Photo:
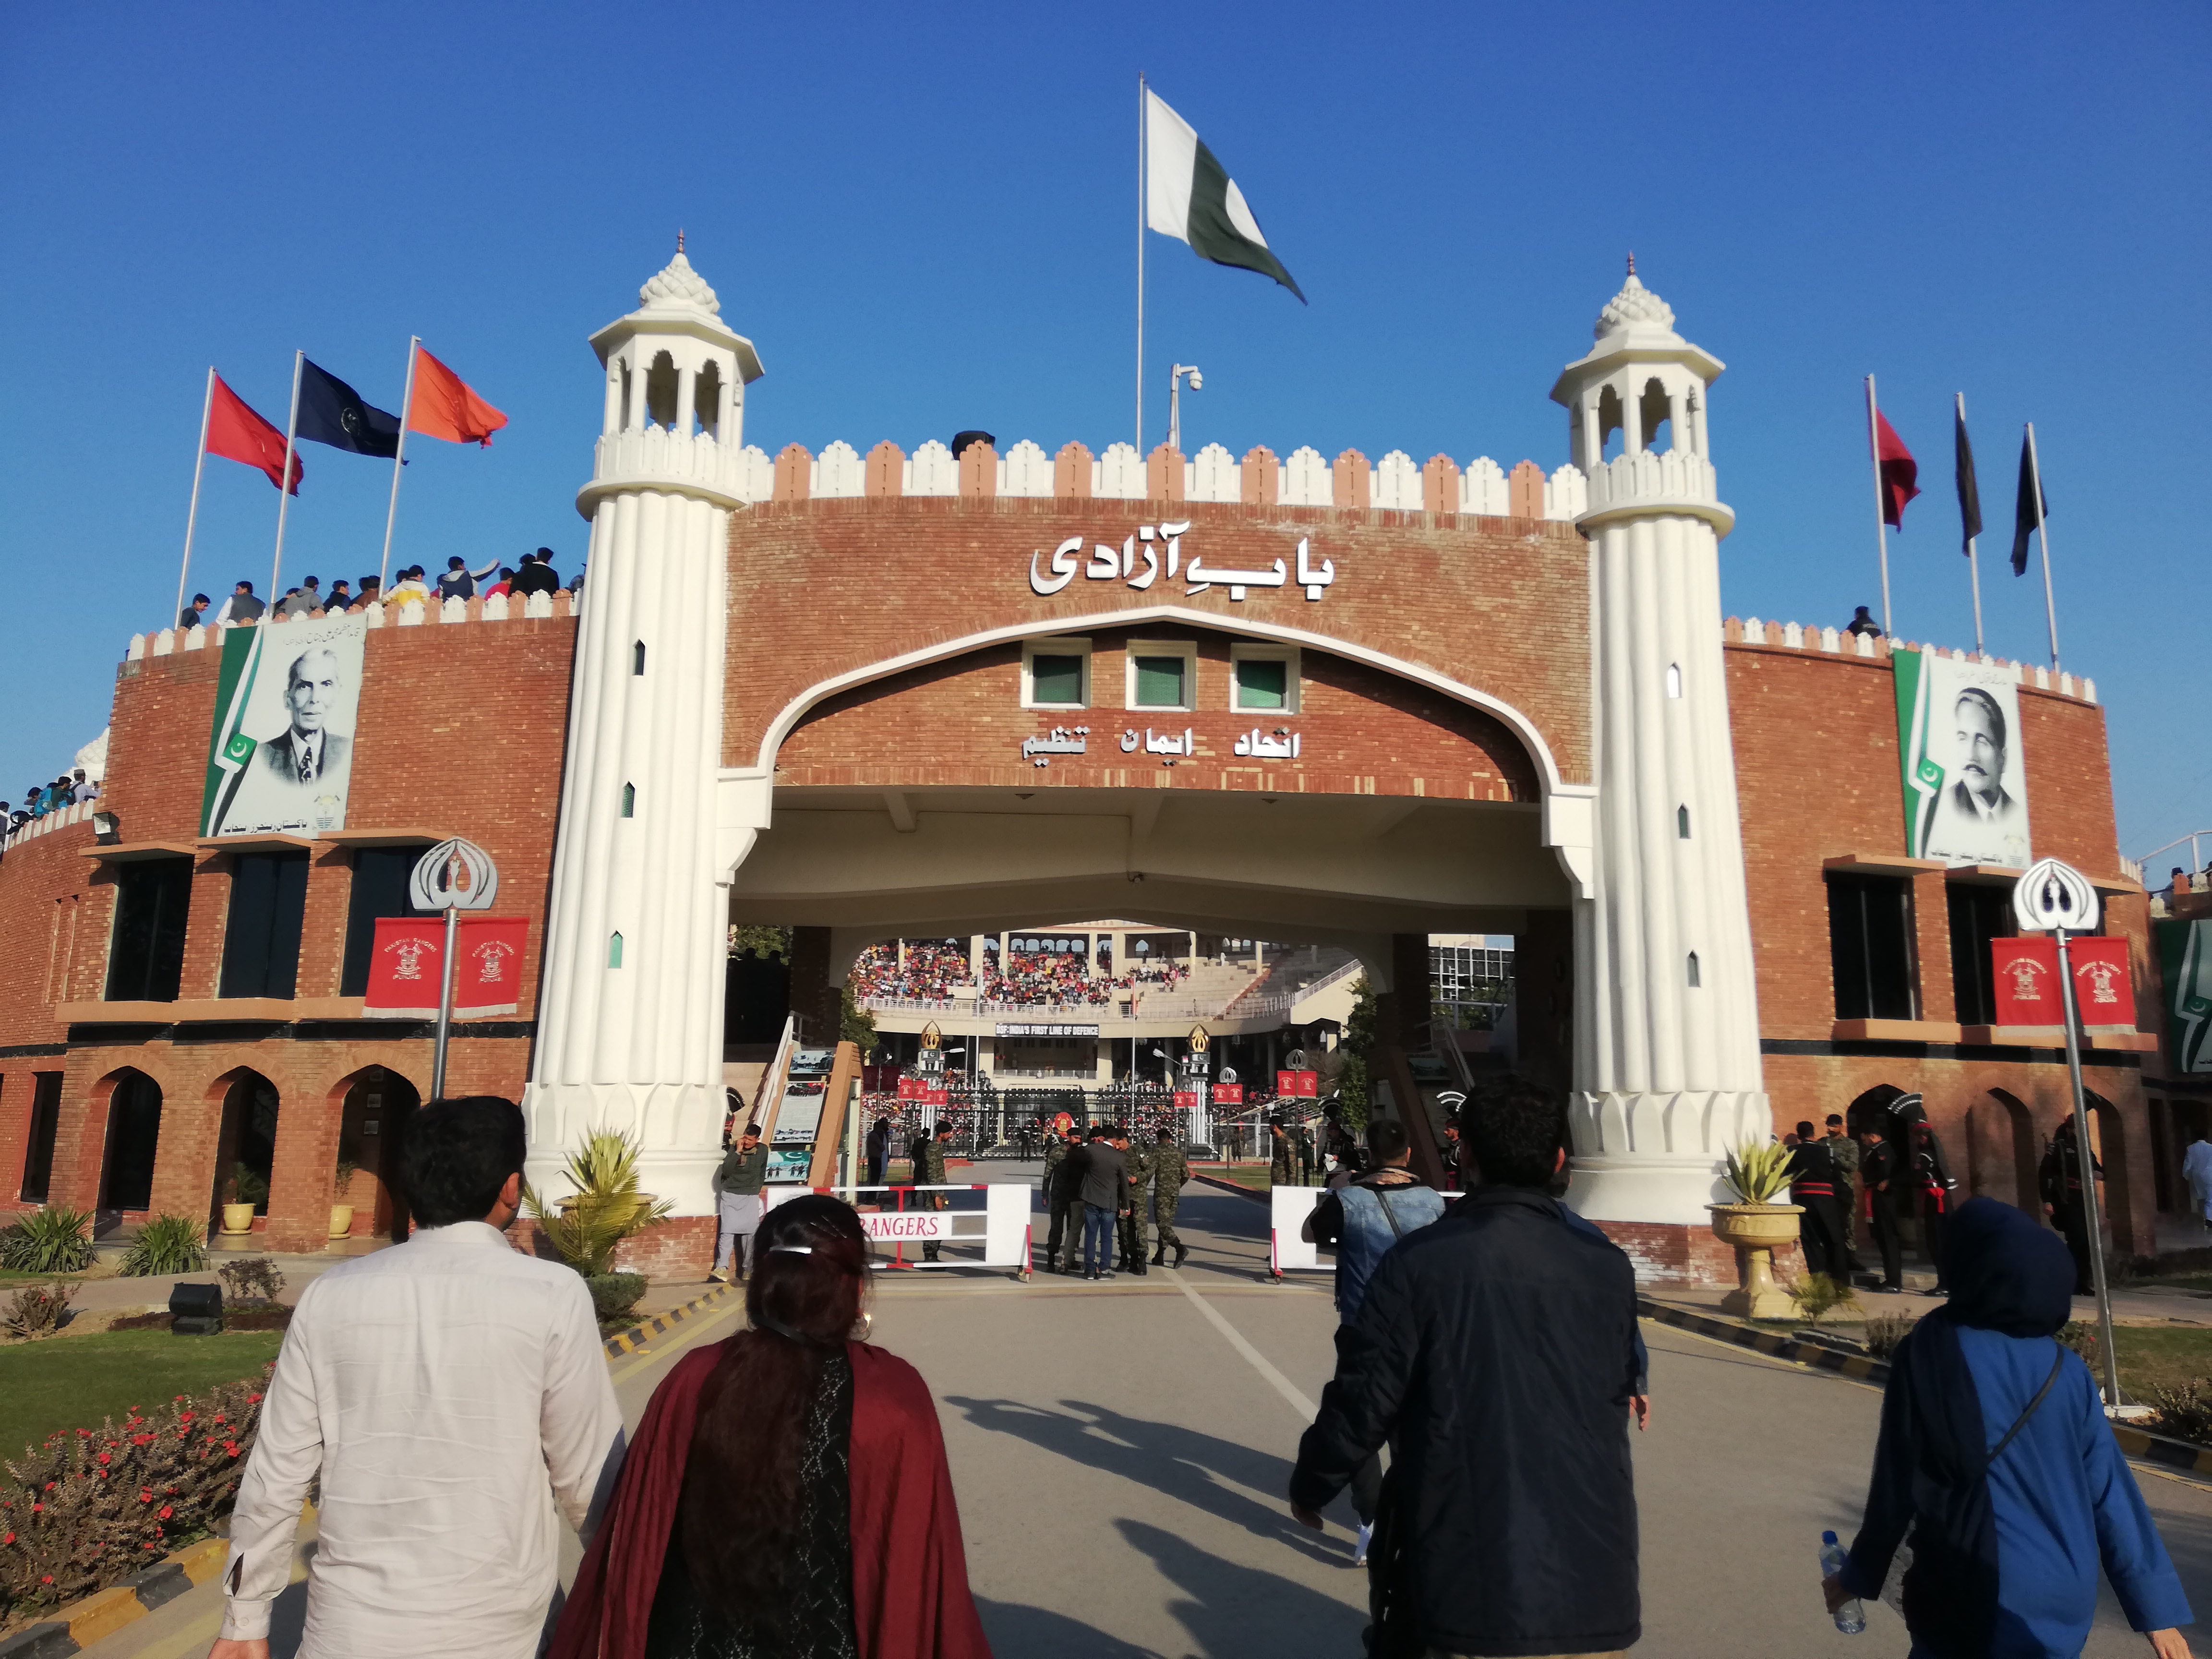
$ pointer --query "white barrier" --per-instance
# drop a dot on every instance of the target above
(1288, 1249)
(1001, 1226)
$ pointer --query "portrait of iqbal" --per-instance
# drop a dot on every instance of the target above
(1981, 820)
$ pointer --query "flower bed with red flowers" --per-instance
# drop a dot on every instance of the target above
(92, 1507)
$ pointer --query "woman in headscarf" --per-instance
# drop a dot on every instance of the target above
(787, 1496)
(1995, 1454)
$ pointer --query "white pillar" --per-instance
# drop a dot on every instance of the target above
(1668, 1076)
(630, 1038)
(1091, 955)
(687, 385)
(612, 420)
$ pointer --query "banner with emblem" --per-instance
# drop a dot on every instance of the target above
(2025, 978)
(408, 964)
(2184, 960)
(288, 698)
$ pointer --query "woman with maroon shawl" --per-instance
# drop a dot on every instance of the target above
(786, 1494)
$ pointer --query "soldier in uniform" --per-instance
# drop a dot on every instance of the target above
(1171, 1174)
(1064, 1195)
(1885, 1185)
(1845, 1152)
(1140, 1160)
(929, 1171)
(1283, 1165)
(1812, 1186)
(2060, 1178)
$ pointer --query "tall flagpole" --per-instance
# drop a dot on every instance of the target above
(284, 489)
(1880, 518)
(398, 460)
(1141, 182)
(2043, 534)
(1974, 565)
(192, 516)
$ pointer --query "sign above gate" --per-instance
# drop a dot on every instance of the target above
(1152, 546)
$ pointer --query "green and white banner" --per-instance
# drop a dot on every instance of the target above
(1959, 749)
(2184, 962)
(280, 758)
(1188, 195)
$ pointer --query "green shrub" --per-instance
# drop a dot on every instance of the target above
(2082, 1339)
(166, 1244)
(613, 1295)
(1818, 1295)
(37, 1310)
(91, 1508)
(606, 1208)
(50, 1241)
(2185, 1413)
(254, 1279)
(1885, 1331)
(248, 1186)
(1757, 1172)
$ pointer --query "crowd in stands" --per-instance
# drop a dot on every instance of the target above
(67, 790)
(536, 574)
(1028, 979)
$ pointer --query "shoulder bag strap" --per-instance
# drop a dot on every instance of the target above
(1383, 1197)
(2057, 1363)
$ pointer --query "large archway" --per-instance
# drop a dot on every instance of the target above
(376, 1106)
(134, 1133)
(246, 1145)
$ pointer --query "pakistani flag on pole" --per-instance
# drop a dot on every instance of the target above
(1188, 195)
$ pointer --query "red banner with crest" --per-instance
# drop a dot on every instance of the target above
(408, 964)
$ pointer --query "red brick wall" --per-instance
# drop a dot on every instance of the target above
(822, 588)
(1364, 732)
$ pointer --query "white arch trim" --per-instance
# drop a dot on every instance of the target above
(1568, 808)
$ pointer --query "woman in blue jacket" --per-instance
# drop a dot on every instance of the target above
(1995, 1454)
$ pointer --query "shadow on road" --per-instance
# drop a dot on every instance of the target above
(1239, 1610)
(1164, 1457)
(1020, 1633)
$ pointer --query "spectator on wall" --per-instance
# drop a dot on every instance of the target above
(501, 588)
(341, 598)
(81, 788)
(459, 583)
(305, 599)
(537, 575)
(193, 615)
(1863, 624)
(371, 593)
(240, 607)
(410, 588)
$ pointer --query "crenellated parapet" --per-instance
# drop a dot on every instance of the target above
(1841, 642)
(414, 613)
(1304, 478)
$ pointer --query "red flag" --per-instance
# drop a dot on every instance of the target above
(1897, 469)
(443, 407)
(237, 434)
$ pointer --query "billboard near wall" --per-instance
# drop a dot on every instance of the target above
(2184, 960)
(1959, 750)
(280, 758)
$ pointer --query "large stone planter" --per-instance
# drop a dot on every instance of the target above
(341, 1220)
(237, 1220)
(1754, 1230)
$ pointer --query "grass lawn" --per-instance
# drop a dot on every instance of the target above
(1255, 1175)
(74, 1381)
(2161, 1356)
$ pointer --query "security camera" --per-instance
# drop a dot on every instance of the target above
(1197, 381)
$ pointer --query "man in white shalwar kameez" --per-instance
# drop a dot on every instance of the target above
(454, 1395)
(2196, 1169)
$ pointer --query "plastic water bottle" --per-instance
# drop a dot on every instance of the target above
(1851, 1617)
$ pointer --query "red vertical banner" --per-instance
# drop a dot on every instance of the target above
(2025, 978)
(2104, 986)
(1229, 1094)
(408, 965)
(1186, 1100)
(488, 977)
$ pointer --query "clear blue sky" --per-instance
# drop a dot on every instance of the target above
(924, 217)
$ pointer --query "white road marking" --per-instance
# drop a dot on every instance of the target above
(1281, 1384)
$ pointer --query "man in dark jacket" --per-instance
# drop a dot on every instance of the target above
(1105, 1199)
(879, 1151)
(537, 575)
(1063, 1182)
(1813, 1187)
(1495, 1352)
(1885, 1187)
(2060, 1177)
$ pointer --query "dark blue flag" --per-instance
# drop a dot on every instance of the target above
(332, 412)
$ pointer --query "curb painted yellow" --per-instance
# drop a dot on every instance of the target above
(203, 1562)
(638, 1335)
(103, 1614)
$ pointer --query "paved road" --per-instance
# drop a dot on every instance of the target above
(1121, 1450)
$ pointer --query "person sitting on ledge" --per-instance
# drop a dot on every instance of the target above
(1862, 624)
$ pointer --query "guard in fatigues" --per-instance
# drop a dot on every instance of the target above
(1171, 1174)
(2060, 1178)
(1845, 1151)
(1055, 1153)
(929, 1171)
(1885, 1189)
(1140, 1161)
(1282, 1163)
(1812, 1186)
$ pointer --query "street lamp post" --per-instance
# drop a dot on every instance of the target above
(1175, 400)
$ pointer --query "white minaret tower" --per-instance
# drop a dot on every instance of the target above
(629, 1005)
(1666, 1060)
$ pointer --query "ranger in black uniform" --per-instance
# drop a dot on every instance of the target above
(1878, 1168)
(2060, 1181)
(1813, 1184)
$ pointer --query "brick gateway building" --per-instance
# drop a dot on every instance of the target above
(1338, 702)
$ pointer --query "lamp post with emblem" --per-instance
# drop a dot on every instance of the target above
(2056, 898)
(453, 876)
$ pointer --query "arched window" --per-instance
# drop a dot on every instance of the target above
(1695, 981)
(614, 951)
(1682, 822)
(706, 399)
(1673, 679)
(1610, 420)
(630, 800)
(1652, 410)
(637, 657)
(660, 392)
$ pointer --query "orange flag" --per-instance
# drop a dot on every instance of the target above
(443, 407)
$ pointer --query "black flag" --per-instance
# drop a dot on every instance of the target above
(1970, 492)
(2025, 518)
(332, 412)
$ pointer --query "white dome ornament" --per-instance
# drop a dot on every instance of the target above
(676, 287)
(1634, 306)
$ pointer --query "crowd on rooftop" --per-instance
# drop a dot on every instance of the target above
(1028, 978)
(40, 798)
(535, 574)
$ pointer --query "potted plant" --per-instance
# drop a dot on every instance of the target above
(588, 1226)
(1755, 1226)
(248, 1191)
(341, 1190)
